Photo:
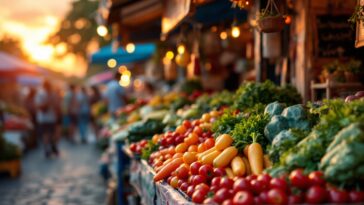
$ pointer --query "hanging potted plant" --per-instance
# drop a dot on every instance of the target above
(358, 15)
(270, 20)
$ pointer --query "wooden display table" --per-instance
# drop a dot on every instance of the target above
(331, 86)
(13, 167)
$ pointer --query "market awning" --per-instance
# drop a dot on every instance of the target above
(100, 78)
(141, 52)
(12, 65)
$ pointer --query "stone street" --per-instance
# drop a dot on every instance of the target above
(70, 179)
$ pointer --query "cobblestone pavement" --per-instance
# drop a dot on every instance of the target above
(71, 179)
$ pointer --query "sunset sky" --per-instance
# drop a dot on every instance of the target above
(32, 21)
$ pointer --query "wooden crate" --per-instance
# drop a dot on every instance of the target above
(13, 167)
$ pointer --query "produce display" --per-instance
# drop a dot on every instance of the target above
(258, 146)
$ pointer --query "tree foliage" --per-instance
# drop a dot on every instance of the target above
(12, 45)
(78, 28)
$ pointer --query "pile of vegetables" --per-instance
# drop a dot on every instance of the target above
(8, 151)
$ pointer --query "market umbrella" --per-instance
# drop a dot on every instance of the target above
(14, 66)
(141, 52)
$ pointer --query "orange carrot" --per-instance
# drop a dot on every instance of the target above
(168, 169)
(255, 156)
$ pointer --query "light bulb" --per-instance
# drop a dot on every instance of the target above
(181, 49)
(102, 30)
(223, 35)
(235, 31)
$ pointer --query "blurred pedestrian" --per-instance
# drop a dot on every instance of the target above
(46, 118)
(94, 99)
(83, 104)
(69, 107)
(115, 95)
(29, 103)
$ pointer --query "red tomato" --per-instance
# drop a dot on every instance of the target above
(169, 179)
(196, 123)
(182, 172)
(180, 182)
(132, 147)
(203, 187)
(198, 179)
(184, 186)
(338, 196)
(276, 196)
(298, 179)
(174, 182)
(258, 186)
(251, 177)
(216, 181)
(278, 183)
(316, 194)
(163, 142)
(179, 139)
(243, 198)
(226, 182)
(206, 170)
(219, 172)
(209, 201)
(221, 195)
(317, 178)
(356, 196)
(227, 202)
(197, 130)
(258, 200)
(210, 142)
(198, 196)
(194, 167)
(187, 124)
(241, 184)
(143, 143)
(295, 199)
(138, 149)
(214, 189)
(170, 141)
(265, 178)
(263, 196)
(190, 190)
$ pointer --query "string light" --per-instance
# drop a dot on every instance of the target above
(102, 30)
(112, 63)
(130, 48)
(181, 49)
(223, 35)
(235, 31)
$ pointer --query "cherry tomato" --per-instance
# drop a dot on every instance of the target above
(196, 123)
(143, 143)
(227, 202)
(192, 148)
(265, 178)
(263, 196)
(295, 199)
(194, 167)
(258, 186)
(219, 172)
(298, 179)
(278, 183)
(213, 189)
(190, 190)
(138, 149)
(316, 194)
(181, 129)
(174, 182)
(203, 187)
(243, 198)
(191, 139)
(221, 195)
(216, 181)
(179, 139)
(206, 117)
(201, 148)
(187, 124)
(189, 157)
(226, 182)
(184, 186)
(197, 130)
(169, 179)
(170, 141)
(251, 177)
(338, 196)
(317, 178)
(132, 147)
(356, 196)
(209, 143)
(277, 196)
(241, 184)
(182, 172)
(198, 196)
(209, 201)
(198, 179)
(206, 170)
(180, 182)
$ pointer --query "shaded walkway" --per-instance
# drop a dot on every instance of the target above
(68, 180)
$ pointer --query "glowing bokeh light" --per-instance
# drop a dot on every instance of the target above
(112, 63)
(102, 30)
(181, 49)
(170, 55)
(223, 35)
(235, 32)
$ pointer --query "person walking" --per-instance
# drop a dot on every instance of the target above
(115, 95)
(83, 104)
(29, 104)
(46, 118)
(69, 109)
(95, 98)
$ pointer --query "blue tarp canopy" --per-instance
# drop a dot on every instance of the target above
(141, 52)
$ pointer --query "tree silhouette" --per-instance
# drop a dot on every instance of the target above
(12, 45)
(78, 29)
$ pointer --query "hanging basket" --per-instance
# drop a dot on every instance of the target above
(270, 20)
